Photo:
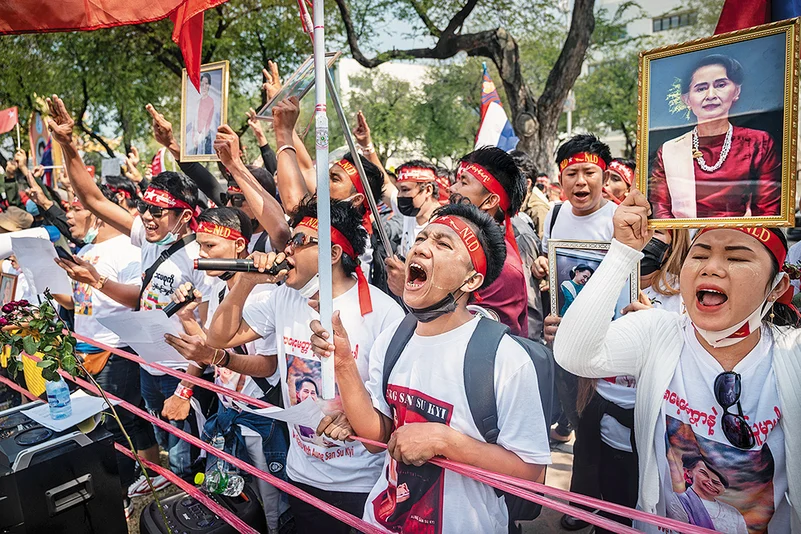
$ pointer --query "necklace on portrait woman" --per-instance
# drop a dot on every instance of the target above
(723, 153)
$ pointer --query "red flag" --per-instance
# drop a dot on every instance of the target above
(739, 14)
(35, 16)
(9, 118)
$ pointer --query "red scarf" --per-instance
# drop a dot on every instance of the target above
(353, 174)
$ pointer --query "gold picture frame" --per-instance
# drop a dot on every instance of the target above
(8, 287)
(757, 124)
(196, 145)
(577, 254)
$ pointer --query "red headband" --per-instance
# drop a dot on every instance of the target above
(416, 174)
(337, 238)
(582, 157)
(234, 189)
(123, 192)
(493, 186)
(626, 173)
(353, 174)
(163, 199)
(469, 239)
(225, 232)
(774, 245)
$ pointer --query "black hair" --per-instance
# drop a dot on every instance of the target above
(124, 185)
(503, 167)
(107, 192)
(489, 234)
(526, 164)
(581, 267)
(374, 177)
(207, 76)
(689, 461)
(299, 383)
(734, 70)
(783, 314)
(262, 175)
(423, 165)
(443, 172)
(233, 218)
(178, 185)
(628, 163)
(583, 143)
(345, 218)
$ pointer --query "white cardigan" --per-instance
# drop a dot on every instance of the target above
(647, 345)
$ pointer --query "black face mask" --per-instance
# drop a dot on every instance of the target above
(406, 206)
(435, 311)
(654, 255)
(456, 198)
(227, 275)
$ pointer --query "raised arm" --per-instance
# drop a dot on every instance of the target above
(266, 209)
(61, 125)
(292, 185)
(162, 131)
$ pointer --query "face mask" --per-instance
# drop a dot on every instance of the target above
(171, 236)
(726, 338)
(655, 253)
(90, 236)
(406, 206)
(311, 287)
(456, 198)
(443, 307)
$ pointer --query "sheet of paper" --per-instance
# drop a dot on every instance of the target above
(144, 332)
(307, 413)
(5, 239)
(84, 406)
(35, 257)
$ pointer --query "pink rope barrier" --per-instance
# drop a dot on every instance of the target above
(487, 477)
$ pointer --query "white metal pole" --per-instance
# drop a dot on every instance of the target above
(323, 195)
(19, 145)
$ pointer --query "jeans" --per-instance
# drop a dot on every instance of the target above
(120, 377)
(155, 390)
(312, 520)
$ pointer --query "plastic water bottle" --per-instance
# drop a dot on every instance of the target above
(219, 482)
(218, 442)
(58, 397)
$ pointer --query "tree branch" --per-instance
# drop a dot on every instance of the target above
(432, 28)
(459, 18)
(79, 121)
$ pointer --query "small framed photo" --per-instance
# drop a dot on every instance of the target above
(203, 112)
(299, 84)
(8, 286)
(717, 129)
(572, 264)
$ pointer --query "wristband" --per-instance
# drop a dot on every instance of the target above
(227, 359)
(285, 147)
(369, 149)
(183, 392)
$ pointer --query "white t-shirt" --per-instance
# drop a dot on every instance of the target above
(750, 485)
(268, 246)
(427, 385)
(794, 257)
(410, 227)
(316, 460)
(117, 259)
(594, 227)
(263, 346)
(178, 268)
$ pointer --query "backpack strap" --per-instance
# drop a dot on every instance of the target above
(479, 376)
(261, 242)
(164, 256)
(556, 209)
(399, 340)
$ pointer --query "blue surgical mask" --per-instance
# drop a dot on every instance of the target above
(171, 236)
(90, 236)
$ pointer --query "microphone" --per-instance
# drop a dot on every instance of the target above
(171, 308)
(236, 265)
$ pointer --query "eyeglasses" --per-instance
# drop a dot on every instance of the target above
(143, 207)
(301, 240)
(236, 199)
(728, 387)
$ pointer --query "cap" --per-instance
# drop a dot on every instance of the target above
(199, 478)
(15, 219)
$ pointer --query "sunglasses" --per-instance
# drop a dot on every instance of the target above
(728, 387)
(236, 199)
(156, 211)
(301, 240)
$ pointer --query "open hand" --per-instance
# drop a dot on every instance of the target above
(193, 348)
(81, 271)
(323, 346)
(60, 122)
(630, 221)
(162, 128)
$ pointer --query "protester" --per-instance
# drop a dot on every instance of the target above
(726, 353)
(420, 409)
(340, 473)
(250, 369)
(489, 179)
(108, 256)
(165, 226)
(536, 205)
(618, 179)
(125, 193)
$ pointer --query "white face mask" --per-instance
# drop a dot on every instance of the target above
(91, 235)
(311, 287)
(726, 338)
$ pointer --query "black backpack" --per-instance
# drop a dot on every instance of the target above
(479, 381)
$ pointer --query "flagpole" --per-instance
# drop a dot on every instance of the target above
(19, 146)
(323, 194)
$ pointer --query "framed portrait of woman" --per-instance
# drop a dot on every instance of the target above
(202, 112)
(8, 286)
(717, 129)
(572, 264)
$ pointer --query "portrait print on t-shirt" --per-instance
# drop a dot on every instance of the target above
(412, 502)
(716, 485)
(304, 380)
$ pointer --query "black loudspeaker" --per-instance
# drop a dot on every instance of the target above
(186, 515)
(57, 482)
